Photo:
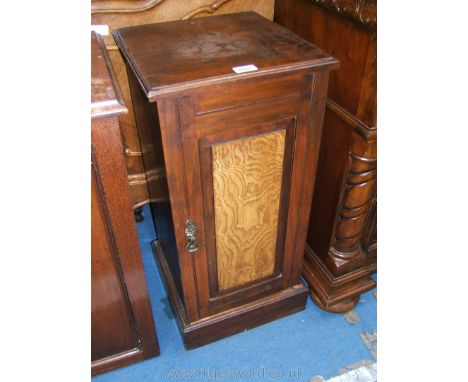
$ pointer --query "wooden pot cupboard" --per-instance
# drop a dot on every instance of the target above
(229, 112)
(122, 328)
(123, 13)
(341, 250)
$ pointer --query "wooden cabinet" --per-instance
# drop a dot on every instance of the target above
(341, 245)
(122, 13)
(229, 113)
(122, 328)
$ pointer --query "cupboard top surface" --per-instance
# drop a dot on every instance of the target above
(106, 98)
(177, 55)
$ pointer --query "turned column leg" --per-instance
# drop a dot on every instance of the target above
(339, 275)
(346, 251)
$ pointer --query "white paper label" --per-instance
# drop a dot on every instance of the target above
(245, 68)
(103, 30)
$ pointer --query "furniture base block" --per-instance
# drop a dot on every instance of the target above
(330, 293)
(339, 307)
(231, 321)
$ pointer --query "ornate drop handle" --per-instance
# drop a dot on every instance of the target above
(191, 245)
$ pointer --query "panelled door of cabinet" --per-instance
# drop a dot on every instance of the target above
(242, 162)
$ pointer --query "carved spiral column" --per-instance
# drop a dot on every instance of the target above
(346, 251)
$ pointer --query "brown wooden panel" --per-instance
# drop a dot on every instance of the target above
(250, 91)
(118, 281)
(348, 41)
(107, 298)
(122, 323)
(257, 288)
(149, 131)
(247, 176)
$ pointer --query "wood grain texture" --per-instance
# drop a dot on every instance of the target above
(247, 176)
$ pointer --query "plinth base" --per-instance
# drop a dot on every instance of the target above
(233, 320)
(334, 294)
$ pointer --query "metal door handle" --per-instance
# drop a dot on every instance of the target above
(191, 244)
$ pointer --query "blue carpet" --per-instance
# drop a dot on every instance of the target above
(295, 348)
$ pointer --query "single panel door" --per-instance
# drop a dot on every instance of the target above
(244, 160)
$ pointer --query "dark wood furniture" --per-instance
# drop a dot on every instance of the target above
(230, 160)
(122, 13)
(122, 328)
(341, 245)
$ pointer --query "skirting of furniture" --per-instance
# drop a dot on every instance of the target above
(334, 294)
(341, 249)
(122, 327)
(229, 112)
(231, 321)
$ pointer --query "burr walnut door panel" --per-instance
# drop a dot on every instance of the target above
(247, 174)
(242, 197)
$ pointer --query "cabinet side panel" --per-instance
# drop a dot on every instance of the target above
(164, 226)
(247, 178)
(130, 141)
(149, 133)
